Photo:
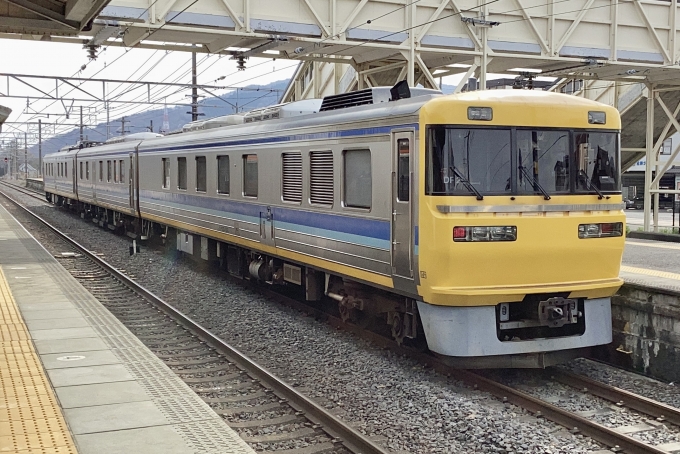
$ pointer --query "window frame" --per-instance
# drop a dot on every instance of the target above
(228, 159)
(408, 170)
(166, 180)
(204, 159)
(87, 170)
(343, 189)
(121, 171)
(257, 175)
(571, 131)
(179, 171)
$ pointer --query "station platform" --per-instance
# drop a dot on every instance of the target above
(74, 380)
(652, 264)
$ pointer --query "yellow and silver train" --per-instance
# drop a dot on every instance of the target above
(489, 222)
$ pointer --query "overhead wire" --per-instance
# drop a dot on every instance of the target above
(409, 28)
(130, 48)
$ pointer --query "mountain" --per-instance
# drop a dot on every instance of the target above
(248, 98)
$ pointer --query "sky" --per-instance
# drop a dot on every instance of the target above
(70, 60)
(66, 60)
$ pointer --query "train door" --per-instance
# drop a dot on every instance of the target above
(74, 176)
(402, 219)
(132, 182)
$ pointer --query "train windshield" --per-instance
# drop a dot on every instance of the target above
(520, 161)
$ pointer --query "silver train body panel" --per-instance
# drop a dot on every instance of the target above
(379, 242)
(361, 238)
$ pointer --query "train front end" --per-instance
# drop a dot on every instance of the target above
(520, 227)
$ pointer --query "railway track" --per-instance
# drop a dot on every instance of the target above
(211, 372)
(269, 414)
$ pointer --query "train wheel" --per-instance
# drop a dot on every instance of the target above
(346, 313)
(398, 331)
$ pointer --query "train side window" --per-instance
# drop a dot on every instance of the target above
(201, 184)
(115, 172)
(321, 178)
(101, 170)
(403, 174)
(166, 172)
(108, 171)
(181, 173)
(87, 170)
(291, 170)
(121, 172)
(357, 178)
(65, 169)
(81, 170)
(223, 172)
(250, 175)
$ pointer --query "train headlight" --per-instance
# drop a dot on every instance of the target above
(495, 233)
(604, 230)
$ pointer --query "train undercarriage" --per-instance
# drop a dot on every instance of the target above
(486, 340)
(356, 302)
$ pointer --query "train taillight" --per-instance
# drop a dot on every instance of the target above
(604, 230)
(483, 233)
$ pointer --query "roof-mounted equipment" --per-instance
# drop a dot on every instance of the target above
(375, 95)
(288, 110)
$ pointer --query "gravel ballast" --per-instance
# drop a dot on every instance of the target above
(405, 406)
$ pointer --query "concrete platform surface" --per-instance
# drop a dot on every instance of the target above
(84, 377)
(652, 264)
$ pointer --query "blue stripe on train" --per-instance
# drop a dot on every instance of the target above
(288, 138)
(267, 140)
(369, 232)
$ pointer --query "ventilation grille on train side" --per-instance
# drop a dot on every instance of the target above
(321, 177)
(292, 177)
(344, 100)
(375, 95)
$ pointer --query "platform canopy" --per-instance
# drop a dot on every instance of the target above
(47, 18)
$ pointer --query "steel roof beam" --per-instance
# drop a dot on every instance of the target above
(45, 12)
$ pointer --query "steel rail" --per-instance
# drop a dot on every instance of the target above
(619, 396)
(538, 407)
(343, 433)
(565, 418)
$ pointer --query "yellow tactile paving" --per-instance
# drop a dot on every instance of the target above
(657, 245)
(648, 272)
(31, 421)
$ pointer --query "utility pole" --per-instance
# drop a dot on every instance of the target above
(25, 156)
(107, 120)
(81, 124)
(39, 147)
(14, 158)
(122, 123)
(194, 88)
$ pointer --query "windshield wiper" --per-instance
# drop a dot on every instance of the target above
(600, 195)
(528, 176)
(467, 184)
